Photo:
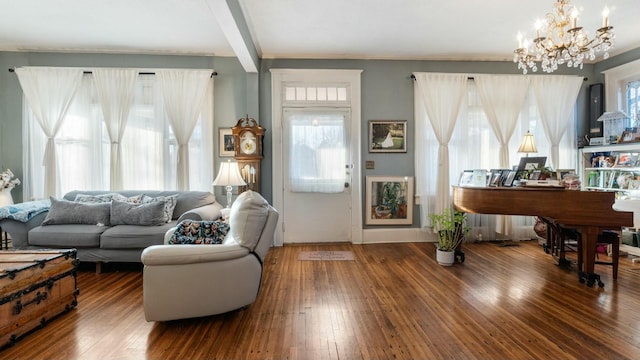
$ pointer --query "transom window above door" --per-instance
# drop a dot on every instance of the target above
(325, 95)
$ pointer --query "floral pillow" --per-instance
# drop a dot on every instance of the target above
(199, 232)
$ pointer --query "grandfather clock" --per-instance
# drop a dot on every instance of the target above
(247, 136)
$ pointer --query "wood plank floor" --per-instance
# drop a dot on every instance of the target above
(392, 302)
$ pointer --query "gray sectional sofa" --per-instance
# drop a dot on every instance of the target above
(104, 232)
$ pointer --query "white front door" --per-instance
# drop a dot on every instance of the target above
(317, 173)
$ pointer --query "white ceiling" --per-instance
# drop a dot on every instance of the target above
(336, 29)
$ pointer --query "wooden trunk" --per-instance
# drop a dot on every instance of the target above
(35, 287)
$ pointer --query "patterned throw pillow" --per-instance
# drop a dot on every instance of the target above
(199, 232)
(169, 204)
(103, 198)
(94, 199)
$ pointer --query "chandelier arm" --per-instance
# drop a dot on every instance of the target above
(564, 43)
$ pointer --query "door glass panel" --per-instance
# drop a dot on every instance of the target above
(317, 153)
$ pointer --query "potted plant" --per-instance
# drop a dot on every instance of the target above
(451, 227)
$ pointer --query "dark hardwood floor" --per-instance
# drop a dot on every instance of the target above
(393, 302)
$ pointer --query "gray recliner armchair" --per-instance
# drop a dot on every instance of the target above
(186, 281)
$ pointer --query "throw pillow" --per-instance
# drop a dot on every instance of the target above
(248, 216)
(70, 212)
(169, 204)
(199, 232)
(124, 213)
(94, 199)
(102, 198)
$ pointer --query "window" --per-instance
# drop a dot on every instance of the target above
(317, 150)
(319, 95)
(473, 145)
(633, 101)
(149, 147)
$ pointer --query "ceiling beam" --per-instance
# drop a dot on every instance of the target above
(232, 22)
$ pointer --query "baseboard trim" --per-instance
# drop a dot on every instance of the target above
(399, 235)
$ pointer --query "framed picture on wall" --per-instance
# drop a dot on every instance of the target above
(225, 139)
(389, 200)
(388, 136)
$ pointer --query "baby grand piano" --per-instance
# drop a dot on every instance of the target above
(589, 212)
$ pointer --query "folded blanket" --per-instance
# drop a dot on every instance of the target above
(25, 211)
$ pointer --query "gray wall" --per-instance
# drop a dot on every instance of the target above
(236, 92)
(387, 93)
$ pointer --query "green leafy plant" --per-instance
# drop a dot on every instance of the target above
(390, 191)
(451, 226)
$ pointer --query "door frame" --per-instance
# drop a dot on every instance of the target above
(316, 76)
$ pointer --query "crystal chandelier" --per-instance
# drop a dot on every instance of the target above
(560, 40)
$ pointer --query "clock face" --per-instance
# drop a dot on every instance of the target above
(248, 144)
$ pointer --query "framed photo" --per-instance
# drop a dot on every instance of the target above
(466, 178)
(532, 163)
(226, 141)
(389, 200)
(560, 173)
(634, 184)
(388, 136)
(508, 181)
(479, 178)
(627, 136)
(495, 179)
(535, 175)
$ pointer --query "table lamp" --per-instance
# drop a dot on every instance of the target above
(228, 176)
(527, 146)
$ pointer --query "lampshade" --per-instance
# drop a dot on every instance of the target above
(527, 145)
(229, 176)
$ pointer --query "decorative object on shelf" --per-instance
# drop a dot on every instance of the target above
(451, 228)
(389, 200)
(7, 182)
(388, 136)
(228, 176)
(248, 150)
(560, 40)
(528, 145)
(614, 127)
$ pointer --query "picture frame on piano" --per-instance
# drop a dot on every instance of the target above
(532, 163)
(495, 179)
(466, 178)
(535, 175)
(560, 173)
(508, 181)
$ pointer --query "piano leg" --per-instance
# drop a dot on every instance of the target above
(590, 279)
(588, 250)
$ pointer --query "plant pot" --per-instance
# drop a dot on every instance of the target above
(445, 258)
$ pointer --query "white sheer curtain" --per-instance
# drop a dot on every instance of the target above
(316, 150)
(184, 92)
(556, 96)
(149, 148)
(49, 92)
(441, 97)
(115, 89)
(474, 145)
(502, 98)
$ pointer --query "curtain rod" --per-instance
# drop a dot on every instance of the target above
(215, 73)
(471, 78)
